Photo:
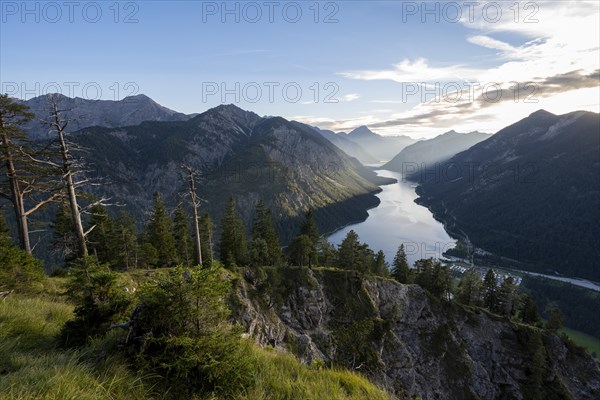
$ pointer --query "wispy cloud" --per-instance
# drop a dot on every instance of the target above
(350, 97)
(556, 63)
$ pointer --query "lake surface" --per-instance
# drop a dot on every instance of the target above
(398, 219)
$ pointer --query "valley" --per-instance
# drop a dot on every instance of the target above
(326, 200)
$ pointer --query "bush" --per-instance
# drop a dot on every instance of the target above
(100, 301)
(19, 270)
(184, 336)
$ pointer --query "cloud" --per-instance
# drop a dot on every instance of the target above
(350, 97)
(491, 43)
(549, 63)
(477, 110)
(414, 71)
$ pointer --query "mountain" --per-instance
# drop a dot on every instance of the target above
(289, 165)
(530, 193)
(381, 147)
(407, 342)
(350, 147)
(426, 153)
(132, 110)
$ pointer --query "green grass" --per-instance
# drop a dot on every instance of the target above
(590, 343)
(33, 367)
(282, 377)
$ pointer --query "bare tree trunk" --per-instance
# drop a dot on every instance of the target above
(194, 197)
(16, 195)
(68, 177)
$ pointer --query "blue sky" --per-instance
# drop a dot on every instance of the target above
(363, 58)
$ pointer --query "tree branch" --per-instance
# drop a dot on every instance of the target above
(43, 203)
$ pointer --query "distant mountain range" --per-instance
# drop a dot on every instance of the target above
(425, 154)
(382, 148)
(287, 164)
(131, 110)
(349, 146)
(529, 193)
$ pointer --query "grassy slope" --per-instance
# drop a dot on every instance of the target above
(31, 367)
(590, 343)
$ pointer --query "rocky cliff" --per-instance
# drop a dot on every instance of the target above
(132, 110)
(406, 341)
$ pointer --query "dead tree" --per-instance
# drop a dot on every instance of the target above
(70, 168)
(191, 178)
(29, 181)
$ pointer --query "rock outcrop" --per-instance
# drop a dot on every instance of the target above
(407, 342)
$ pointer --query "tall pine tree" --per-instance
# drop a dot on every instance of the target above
(127, 245)
(470, 288)
(206, 239)
(233, 251)
(400, 269)
(490, 291)
(183, 238)
(309, 228)
(102, 239)
(265, 241)
(160, 233)
(64, 239)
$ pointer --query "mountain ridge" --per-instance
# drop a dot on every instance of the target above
(289, 165)
(524, 198)
(84, 113)
(425, 154)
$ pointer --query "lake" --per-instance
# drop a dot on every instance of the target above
(398, 219)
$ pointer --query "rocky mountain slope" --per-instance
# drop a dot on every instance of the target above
(530, 193)
(349, 147)
(289, 165)
(132, 110)
(381, 147)
(408, 342)
(425, 154)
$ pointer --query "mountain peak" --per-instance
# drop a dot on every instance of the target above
(139, 97)
(362, 131)
(450, 133)
(542, 113)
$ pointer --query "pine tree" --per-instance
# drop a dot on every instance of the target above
(127, 246)
(5, 239)
(348, 251)
(424, 273)
(327, 253)
(470, 288)
(507, 297)
(183, 239)
(380, 266)
(555, 320)
(160, 233)
(233, 250)
(534, 386)
(18, 269)
(64, 238)
(309, 228)
(490, 291)
(102, 239)
(206, 239)
(265, 246)
(529, 310)
(299, 250)
(441, 284)
(400, 269)
(353, 254)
